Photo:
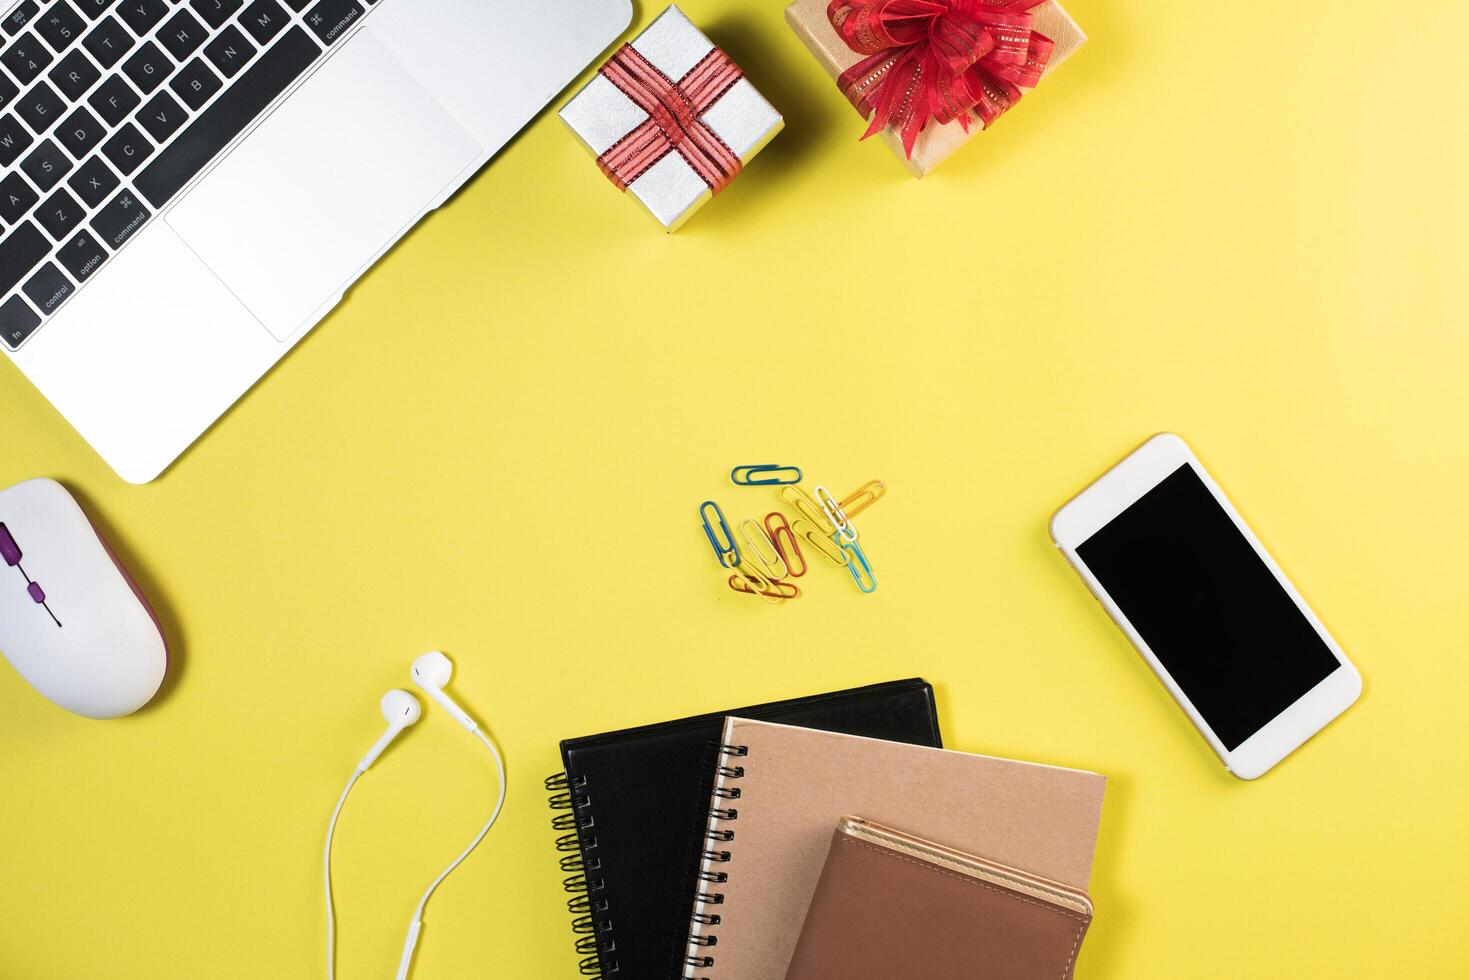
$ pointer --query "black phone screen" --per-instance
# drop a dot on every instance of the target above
(1208, 606)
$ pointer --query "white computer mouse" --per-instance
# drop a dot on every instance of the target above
(71, 621)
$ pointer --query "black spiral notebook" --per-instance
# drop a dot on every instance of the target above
(632, 808)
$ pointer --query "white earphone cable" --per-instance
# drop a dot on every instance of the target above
(331, 919)
(416, 926)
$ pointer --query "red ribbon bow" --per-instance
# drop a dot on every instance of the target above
(673, 125)
(937, 59)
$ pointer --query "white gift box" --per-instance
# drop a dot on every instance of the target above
(671, 119)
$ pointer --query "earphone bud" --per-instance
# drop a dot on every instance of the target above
(431, 672)
(400, 709)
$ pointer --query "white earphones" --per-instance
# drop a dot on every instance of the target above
(431, 672)
(400, 709)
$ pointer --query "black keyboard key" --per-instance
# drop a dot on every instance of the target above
(26, 58)
(298, 5)
(18, 18)
(256, 88)
(94, 8)
(8, 91)
(16, 197)
(147, 67)
(14, 138)
(93, 181)
(195, 83)
(60, 25)
(331, 18)
(161, 117)
(82, 255)
(41, 107)
(142, 15)
(79, 132)
(127, 149)
(59, 214)
(113, 100)
(117, 222)
(182, 35)
(230, 51)
(75, 75)
(108, 42)
(20, 252)
(215, 12)
(17, 321)
(264, 19)
(46, 165)
(48, 288)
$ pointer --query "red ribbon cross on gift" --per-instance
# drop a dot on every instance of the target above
(673, 124)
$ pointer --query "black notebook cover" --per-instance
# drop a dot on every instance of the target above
(632, 806)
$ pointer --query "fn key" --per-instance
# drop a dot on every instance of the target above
(17, 321)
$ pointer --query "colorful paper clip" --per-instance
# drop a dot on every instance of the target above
(720, 551)
(863, 497)
(854, 550)
(778, 527)
(757, 581)
(774, 566)
(809, 508)
(764, 475)
(834, 514)
(821, 540)
(779, 590)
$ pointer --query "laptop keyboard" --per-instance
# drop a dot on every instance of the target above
(108, 108)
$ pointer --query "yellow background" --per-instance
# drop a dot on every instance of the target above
(1241, 222)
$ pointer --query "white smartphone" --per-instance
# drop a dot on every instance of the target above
(1165, 553)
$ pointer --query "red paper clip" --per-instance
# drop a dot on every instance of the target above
(756, 582)
(778, 589)
(776, 525)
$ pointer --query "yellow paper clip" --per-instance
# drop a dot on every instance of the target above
(821, 541)
(782, 590)
(833, 511)
(864, 497)
(808, 508)
(759, 543)
(759, 584)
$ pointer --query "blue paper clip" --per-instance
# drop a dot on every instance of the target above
(856, 558)
(720, 551)
(769, 475)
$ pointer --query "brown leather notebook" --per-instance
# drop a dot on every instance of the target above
(779, 791)
(891, 906)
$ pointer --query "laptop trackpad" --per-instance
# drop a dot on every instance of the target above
(309, 199)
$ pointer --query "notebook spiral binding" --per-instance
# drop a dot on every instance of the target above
(591, 925)
(720, 811)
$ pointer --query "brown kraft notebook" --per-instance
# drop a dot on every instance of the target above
(779, 791)
(891, 906)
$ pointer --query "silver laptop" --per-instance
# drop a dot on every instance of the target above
(191, 185)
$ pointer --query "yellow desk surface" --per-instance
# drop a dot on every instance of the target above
(1241, 222)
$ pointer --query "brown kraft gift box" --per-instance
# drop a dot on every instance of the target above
(936, 143)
